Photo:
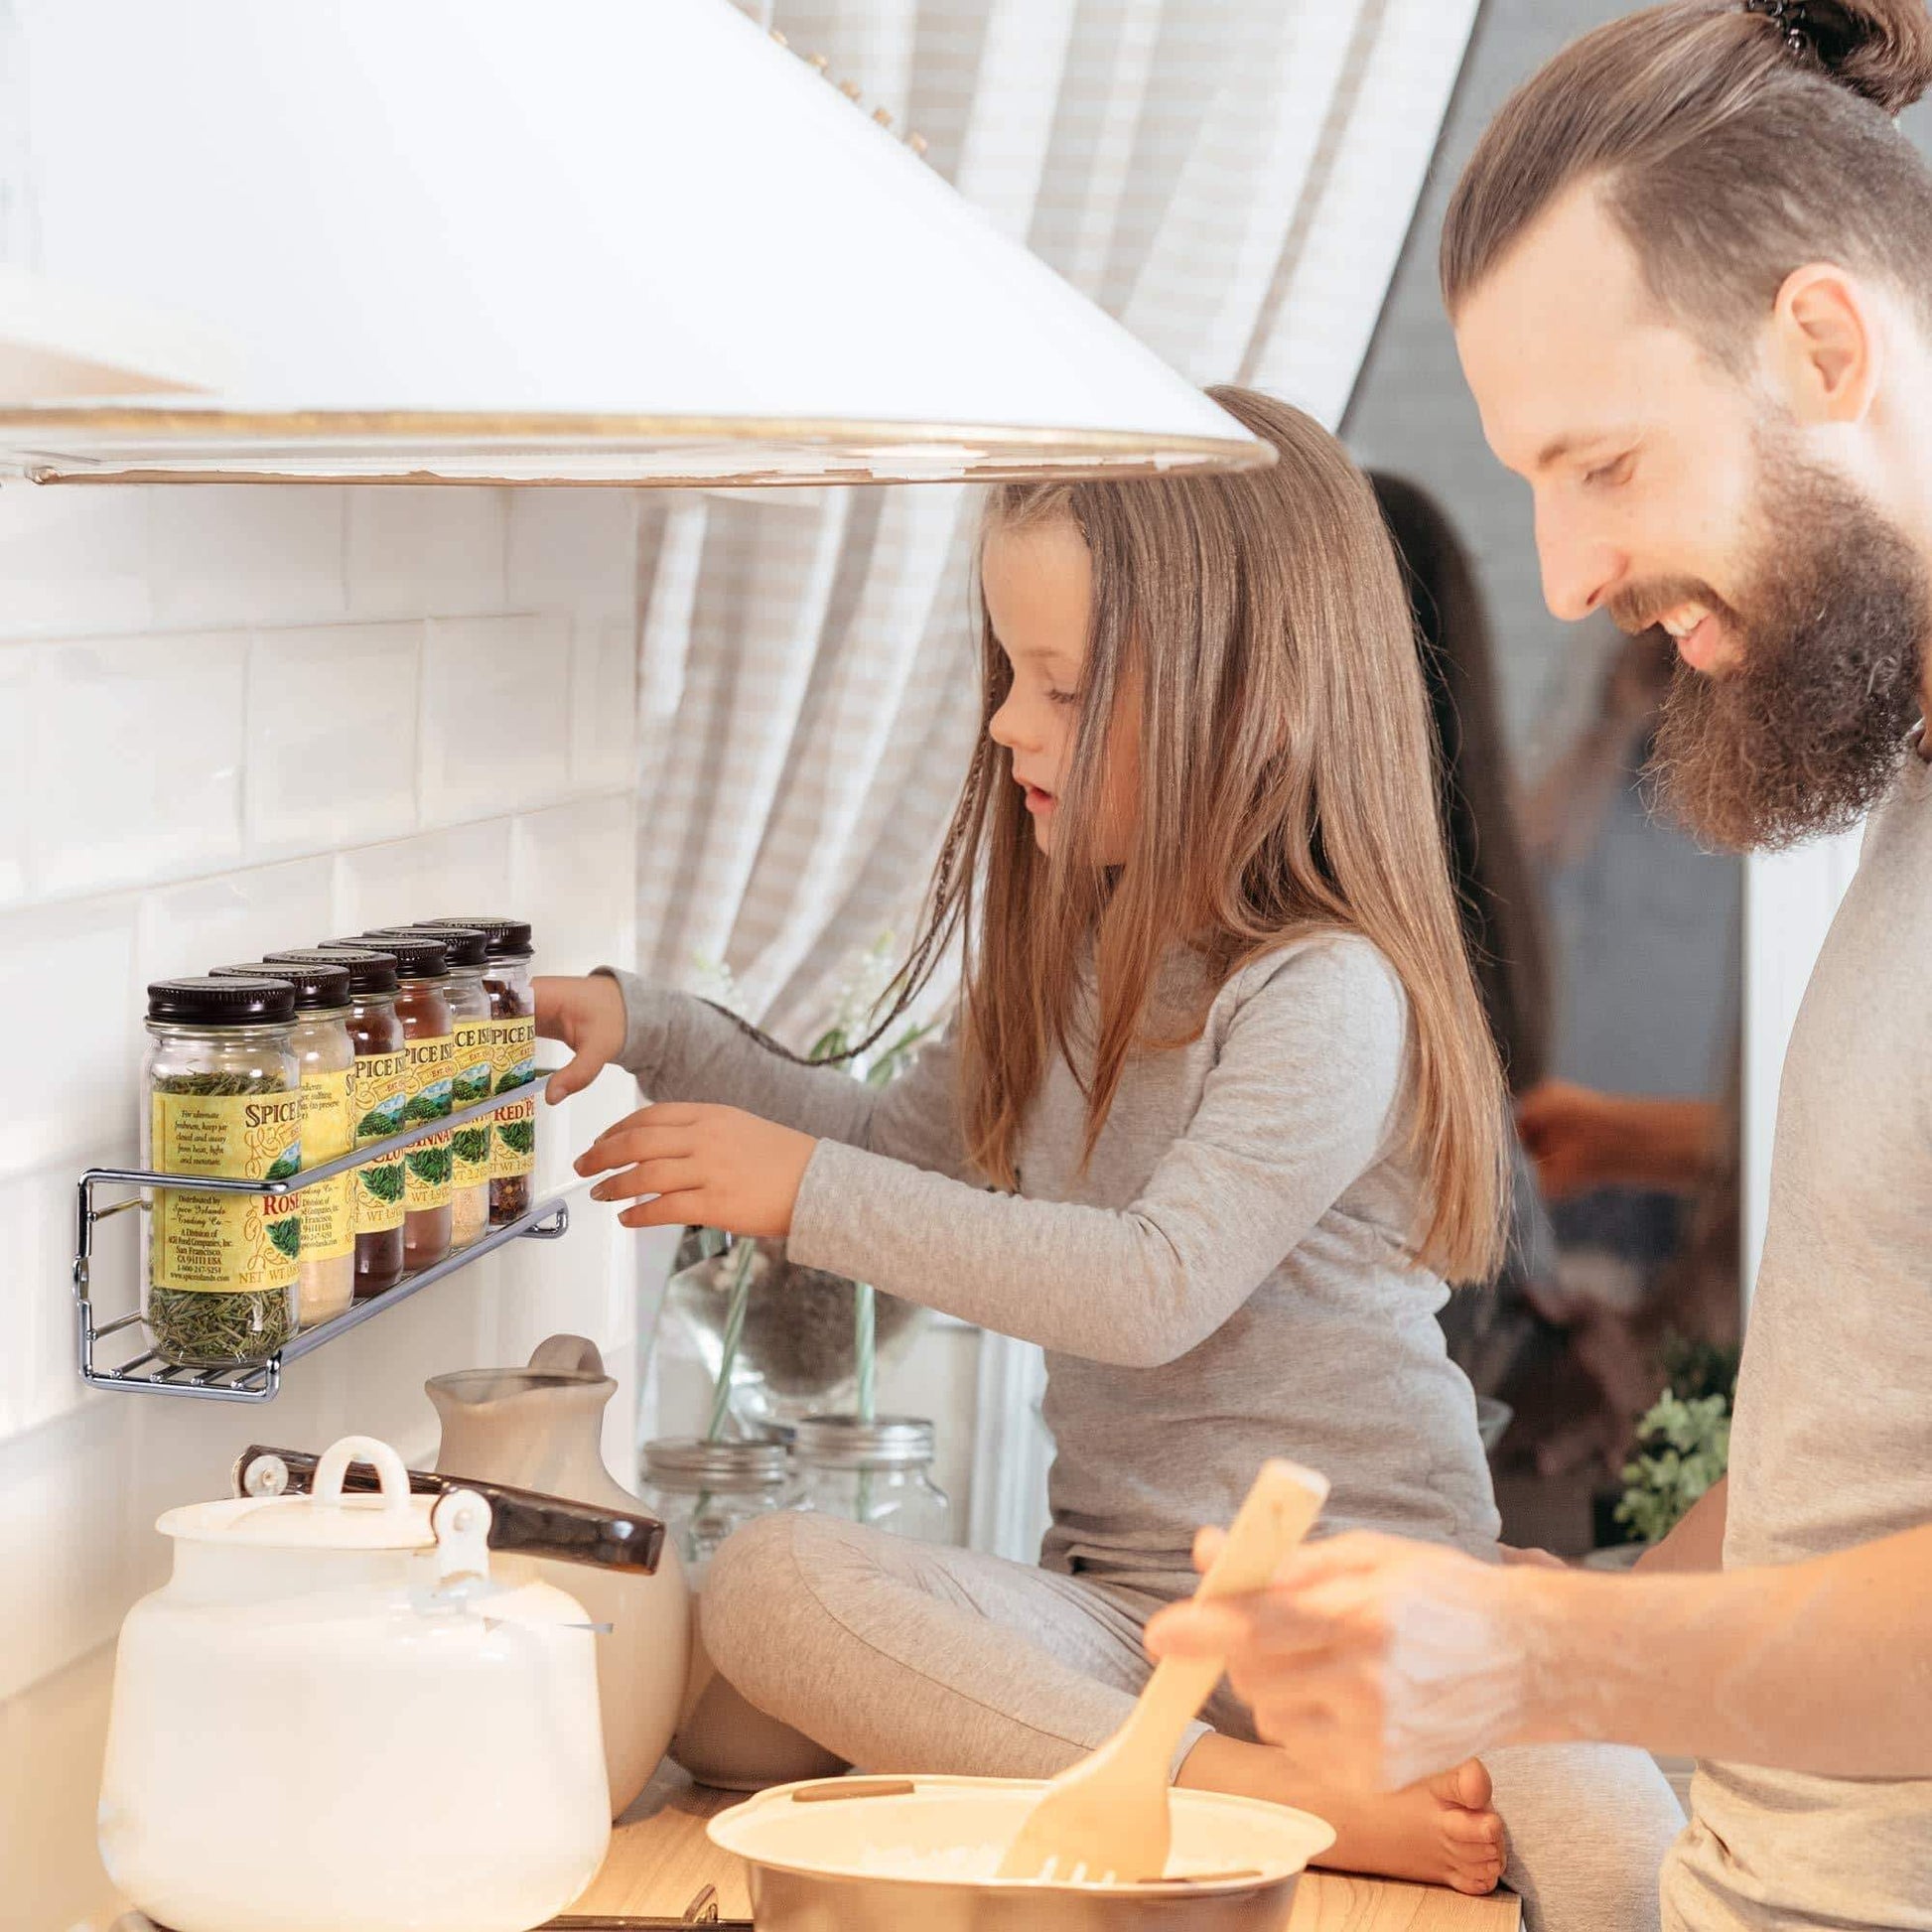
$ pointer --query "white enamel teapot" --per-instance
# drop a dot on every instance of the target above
(329, 1718)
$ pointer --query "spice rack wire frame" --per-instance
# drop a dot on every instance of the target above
(146, 1373)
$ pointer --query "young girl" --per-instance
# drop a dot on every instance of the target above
(1218, 1118)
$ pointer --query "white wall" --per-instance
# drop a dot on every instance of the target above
(232, 719)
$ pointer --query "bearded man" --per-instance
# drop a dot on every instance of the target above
(1690, 271)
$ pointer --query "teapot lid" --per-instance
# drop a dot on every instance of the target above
(326, 1519)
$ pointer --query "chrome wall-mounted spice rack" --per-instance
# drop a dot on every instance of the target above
(260, 1381)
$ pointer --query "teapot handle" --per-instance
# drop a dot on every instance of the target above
(332, 1470)
(566, 1355)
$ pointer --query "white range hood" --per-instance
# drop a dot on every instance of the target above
(632, 241)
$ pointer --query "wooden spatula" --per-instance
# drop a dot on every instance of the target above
(1106, 1818)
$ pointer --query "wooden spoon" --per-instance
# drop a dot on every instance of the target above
(1106, 1817)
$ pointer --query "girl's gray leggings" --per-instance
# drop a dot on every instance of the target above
(906, 1657)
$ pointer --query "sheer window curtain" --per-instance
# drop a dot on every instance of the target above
(1233, 180)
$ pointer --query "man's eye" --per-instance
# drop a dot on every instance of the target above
(1608, 474)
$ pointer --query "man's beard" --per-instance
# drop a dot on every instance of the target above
(1806, 734)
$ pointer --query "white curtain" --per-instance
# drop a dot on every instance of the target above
(1233, 180)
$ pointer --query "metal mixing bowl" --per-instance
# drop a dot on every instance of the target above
(809, 1848)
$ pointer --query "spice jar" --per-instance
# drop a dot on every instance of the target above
(472, 1075)
(513, 1043)
(703, 1491)
(877, 1472)
(422, 972)
(381, 1091)
(325, 1281)
(224, 1098)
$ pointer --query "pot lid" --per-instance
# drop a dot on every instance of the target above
(326, 1519)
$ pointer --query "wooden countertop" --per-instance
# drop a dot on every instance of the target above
(660, 1860)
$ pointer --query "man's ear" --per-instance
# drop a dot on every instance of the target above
(1824, 344)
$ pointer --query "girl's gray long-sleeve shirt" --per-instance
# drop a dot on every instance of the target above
(1229, 1279)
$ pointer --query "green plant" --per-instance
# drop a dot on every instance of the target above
(1683, 1448)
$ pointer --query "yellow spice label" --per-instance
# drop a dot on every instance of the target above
(239, 1244)
(475, 1080)
(513, 1145)
(327, 1129)
(432, 1079)
(381, 1094)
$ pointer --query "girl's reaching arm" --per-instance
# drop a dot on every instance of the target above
(1297, 1107)
(681, 1047)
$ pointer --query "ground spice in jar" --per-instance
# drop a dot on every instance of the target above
(224, 1098)
(381, 1091)
(514, 1033)
(472, 1074)
(325, 1281)
(422, 972)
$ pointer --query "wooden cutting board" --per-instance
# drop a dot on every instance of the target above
(660, 1860)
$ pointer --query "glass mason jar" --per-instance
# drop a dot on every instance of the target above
(703, 1491)
(224, 1097)
(325, 1283)
(472, 1071)
(378, 1096)
(422, 972)
(513, 1050)
(877, 1472)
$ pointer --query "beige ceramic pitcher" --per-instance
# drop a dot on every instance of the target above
(540, 1428)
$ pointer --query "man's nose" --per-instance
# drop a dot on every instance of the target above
(1579, 571)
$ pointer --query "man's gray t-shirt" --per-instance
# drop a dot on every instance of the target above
(1833, 1445)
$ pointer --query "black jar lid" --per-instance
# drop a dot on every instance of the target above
(417, 955)
(468, 946)
(371, 974)
(509, 938)
(211, 1001)
(318, 987)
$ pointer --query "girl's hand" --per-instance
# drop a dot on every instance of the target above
(586, 1015)
(709, 1166)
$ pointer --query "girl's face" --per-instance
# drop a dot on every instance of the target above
(1039, 589)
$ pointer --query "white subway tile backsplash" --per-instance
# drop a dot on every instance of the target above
(64, 1542)
(240, 553)
(136, 761)
(66, 978)
(463, 869)
(576, 867)
(604, 703)
(574, 550)
(331, 734)
(429, 552)
(74, 560)
(495, 716)
(16, 738)
(235, 917)
(190, 773)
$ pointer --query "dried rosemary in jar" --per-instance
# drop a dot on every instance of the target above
(513, 1037)
(224, 1098)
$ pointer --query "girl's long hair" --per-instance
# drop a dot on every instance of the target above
(1287, 786)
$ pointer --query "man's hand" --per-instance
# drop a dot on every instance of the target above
(709, 1166)
(1580, 1139)
(1371, 1660)
(586, 1015)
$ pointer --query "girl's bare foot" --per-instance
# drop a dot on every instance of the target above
(1440, 1830)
